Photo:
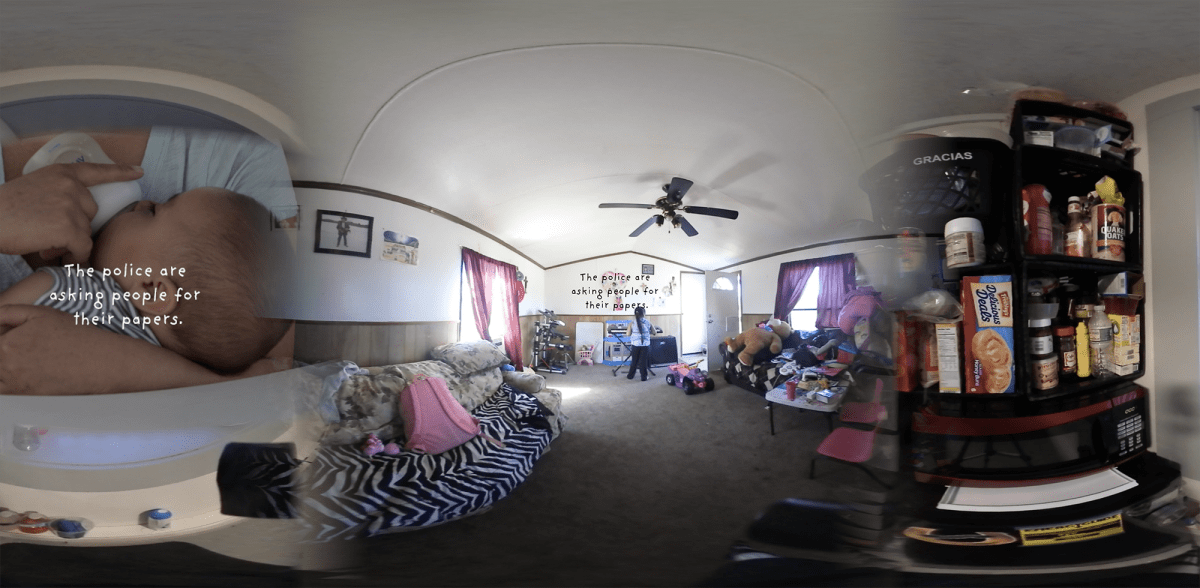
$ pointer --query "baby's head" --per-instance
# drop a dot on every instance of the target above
(206, 255)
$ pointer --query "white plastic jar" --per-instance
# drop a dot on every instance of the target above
(964, 243)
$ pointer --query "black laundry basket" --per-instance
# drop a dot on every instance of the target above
(929, 181)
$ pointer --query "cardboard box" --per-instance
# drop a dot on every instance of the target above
(989, 359)
(1039, 138)
(1127, 340)
(949, 354)
(1122, 284)
(928, 360)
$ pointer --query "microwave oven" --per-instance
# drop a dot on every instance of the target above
(1101, 431)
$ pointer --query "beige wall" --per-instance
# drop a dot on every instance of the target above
(1173, 313)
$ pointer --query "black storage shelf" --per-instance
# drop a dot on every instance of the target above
(1066, 174)
(1121, 129)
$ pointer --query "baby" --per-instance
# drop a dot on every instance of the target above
(184, 275)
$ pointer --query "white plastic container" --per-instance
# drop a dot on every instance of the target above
(964, 243)
(78, 148)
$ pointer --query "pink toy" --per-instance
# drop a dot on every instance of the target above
(585, 355)
(690, 378)
(373, 445)
(391, 449)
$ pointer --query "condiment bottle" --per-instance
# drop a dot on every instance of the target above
(1084, 367)
(1079, 234)
(1039, 236)
(1067, 358)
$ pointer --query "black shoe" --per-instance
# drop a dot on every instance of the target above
(643, 378)
(629, 377)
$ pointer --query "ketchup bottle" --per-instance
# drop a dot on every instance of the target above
(1039, 227)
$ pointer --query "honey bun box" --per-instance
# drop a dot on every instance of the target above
(988, 334)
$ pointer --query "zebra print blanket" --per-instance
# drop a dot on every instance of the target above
(346, 494)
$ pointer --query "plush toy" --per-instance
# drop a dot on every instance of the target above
(750, 342)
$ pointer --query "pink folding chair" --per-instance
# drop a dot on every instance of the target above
(852, 445)
(865, 412)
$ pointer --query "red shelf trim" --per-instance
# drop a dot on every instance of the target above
(928, 422)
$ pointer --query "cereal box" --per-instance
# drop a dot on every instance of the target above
(988, 334)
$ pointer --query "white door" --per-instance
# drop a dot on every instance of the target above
(723, 292)
(694, 326)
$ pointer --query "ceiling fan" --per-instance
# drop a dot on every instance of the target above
(670, 204)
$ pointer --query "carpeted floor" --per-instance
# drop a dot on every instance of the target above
(646, 487)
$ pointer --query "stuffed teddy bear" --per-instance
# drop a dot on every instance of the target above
(751, 341)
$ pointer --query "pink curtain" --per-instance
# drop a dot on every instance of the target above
(482, 272)
(792, 277)
(837, 281)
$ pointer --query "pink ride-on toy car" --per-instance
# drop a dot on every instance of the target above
(691, 378)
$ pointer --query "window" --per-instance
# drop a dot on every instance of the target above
(722, 283)
(804, 316)
(467, 331)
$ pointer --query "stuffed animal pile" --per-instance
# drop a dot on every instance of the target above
(751, 341)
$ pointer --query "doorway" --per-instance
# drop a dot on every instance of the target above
(723, 291)
(693, 325)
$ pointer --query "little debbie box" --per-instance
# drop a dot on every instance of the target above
(988, 364)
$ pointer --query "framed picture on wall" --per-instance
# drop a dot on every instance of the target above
(648, 269)
(344, 233)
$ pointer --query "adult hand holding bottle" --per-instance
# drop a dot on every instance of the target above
(49, 211)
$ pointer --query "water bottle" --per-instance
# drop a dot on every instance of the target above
(78, 148)
(1100, 342)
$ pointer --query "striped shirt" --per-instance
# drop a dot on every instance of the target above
(95, 297)
(640, 339)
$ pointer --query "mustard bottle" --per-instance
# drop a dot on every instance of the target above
(1081, 349)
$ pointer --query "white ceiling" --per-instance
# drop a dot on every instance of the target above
(521, 116)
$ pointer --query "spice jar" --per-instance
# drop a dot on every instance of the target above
(1045, 371)
(964, 243)
(1041, 339)
(1045, 361)
(1068, 360)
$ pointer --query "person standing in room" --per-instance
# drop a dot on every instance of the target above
(343, 228)
(639, 339)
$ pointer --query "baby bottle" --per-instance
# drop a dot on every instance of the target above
(78, 148)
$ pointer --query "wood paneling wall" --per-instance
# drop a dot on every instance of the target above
(370, 344)
(669, 323)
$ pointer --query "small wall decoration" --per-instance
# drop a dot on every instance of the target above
(344, 233)
(648, 269)
(400, 248)
(285, 217)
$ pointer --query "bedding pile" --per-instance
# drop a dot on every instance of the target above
(341, 491)
(350, 495)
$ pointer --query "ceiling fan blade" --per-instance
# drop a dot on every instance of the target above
(721, 212)
(645, 225)
(677, 188)
(687, 227)
(617, 205)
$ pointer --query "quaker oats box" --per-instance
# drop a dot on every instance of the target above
(988, 357)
